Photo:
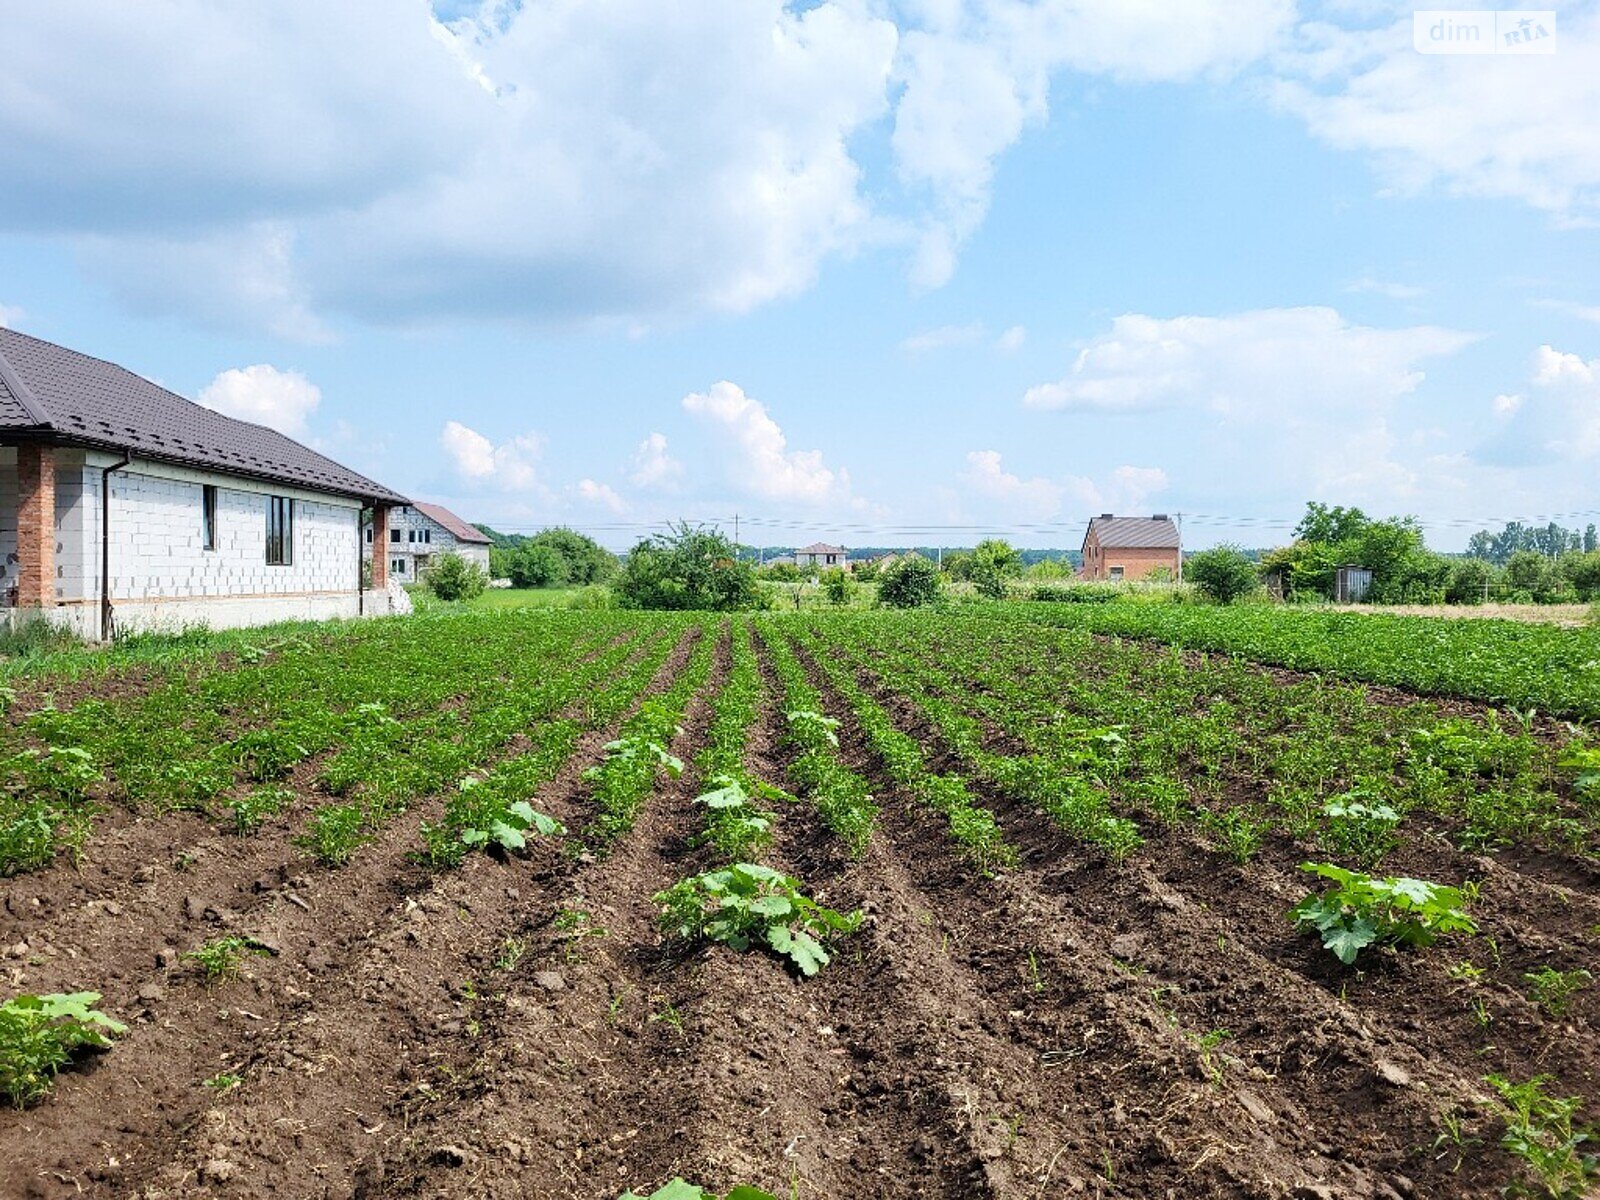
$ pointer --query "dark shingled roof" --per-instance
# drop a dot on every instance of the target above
(441, 515)
(62, 396)
(1135, 533)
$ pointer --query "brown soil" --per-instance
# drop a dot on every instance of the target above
(519, 1027)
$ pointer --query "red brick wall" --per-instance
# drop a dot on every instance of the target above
(36, 525)
(380, 548)
(1135, 564)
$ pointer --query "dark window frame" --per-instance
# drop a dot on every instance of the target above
(280, 531)
(208, 516)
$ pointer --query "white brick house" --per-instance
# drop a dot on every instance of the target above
(419, 533)
(124, 506)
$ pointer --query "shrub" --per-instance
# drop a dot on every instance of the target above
(909, 582)
(536, 565)
(1222, 573)
(836, 586)
(688, 568)
(452, 577)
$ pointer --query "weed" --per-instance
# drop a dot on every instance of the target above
(40, 1034)
(1207, 1044)
(510, 954)
(1466, 972)
(679, 1190)
(574, 926)
(1360, 826)
(334, 833)
(254, 807)
(1238, 833)
(219, 959)
(223, 1081)
(1539, 1131)
(1553, 990)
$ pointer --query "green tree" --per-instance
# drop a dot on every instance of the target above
(687, 568)
(993, 561)
(1328, 525)
(1224, 573)
(537, 565)
(451, 577)
(587, 561)
(909, 582)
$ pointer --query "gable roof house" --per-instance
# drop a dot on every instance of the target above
(125, 506)
(419, 532)
(820, 554)
(1131, 547)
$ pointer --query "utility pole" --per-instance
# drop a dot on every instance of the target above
(736, 554)
(1180, 547)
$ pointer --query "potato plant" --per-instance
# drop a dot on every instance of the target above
(39, 1035)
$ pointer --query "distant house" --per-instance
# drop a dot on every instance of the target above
(124, 506)
(420, 532)
(820, 554)
(779, 560)
(1130, 547)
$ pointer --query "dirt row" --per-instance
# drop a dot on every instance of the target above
(140, 1121)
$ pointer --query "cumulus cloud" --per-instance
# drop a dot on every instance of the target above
(1481, 125)
(1279, 361)
(511, 465)
(758, 459)
(567, 161)
(281, 400)
(1556, 419)
(602, 495)
(651, 465)
(1040, 498)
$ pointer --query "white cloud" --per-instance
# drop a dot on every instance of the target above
(759, 460)
(976, 75)
(1275, 362)
(1482, 125)
(1387, 288)
(602, 495)
(511, 465)
(651, 465)
(1011, 340)
(1556, 421)
(10, 314)
(1012, 499)
(281, 400)
(944, 337)
(1581, 312)
(565, 161)
(1507, 403)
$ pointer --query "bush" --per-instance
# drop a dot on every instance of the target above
(585, 560)
(1222, 573)
(836, 586)
(535, 565)
(910, 582)
(1538, 577)
(689, 568)
(1582, 571)
(1471, 579)
(452, 577)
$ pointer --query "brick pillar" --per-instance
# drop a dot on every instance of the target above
(380, 547)
(36, 525)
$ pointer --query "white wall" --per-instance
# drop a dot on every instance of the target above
(422, 536)
(161, 574)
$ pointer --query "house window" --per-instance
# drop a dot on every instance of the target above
(397, 566)
(411, 535)
(427, 536)
(1116, 572)
(394, 536)
(369, 535)
(280, 531)
(208, 517)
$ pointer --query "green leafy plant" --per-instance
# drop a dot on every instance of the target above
(1361, 910)
(748, 904)
(220, 958)
(679, 1190)
(335, 832)
(1553, 990)
(734, 825)
(40, 1034)
(1539, 1131)
(1584, 763)
(478, 816)
(223, 1081)
(1360, 826)
(252, 809)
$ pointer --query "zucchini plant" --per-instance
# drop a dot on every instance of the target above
(1362, 910)
(40, 1034)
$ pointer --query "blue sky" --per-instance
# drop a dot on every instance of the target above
(868, 271)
